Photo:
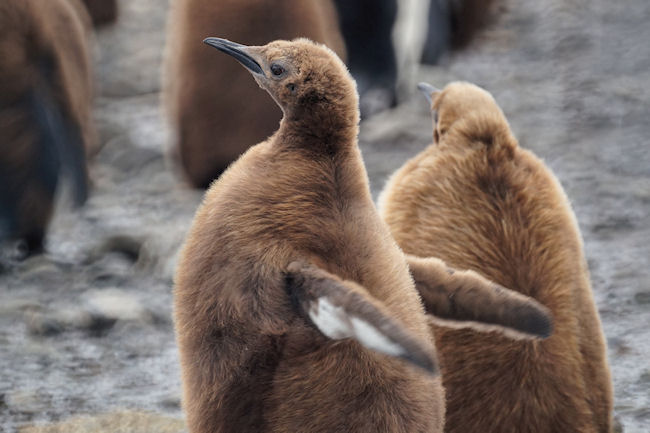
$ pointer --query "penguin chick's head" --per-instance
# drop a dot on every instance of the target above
(456, 101)
(303, 77)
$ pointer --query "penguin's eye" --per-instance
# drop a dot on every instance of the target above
(277, 70)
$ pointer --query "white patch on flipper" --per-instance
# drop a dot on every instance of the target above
(336, 324)
(330, 320)
(372, 338)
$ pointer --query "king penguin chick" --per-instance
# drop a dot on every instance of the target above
(200, 92)
(286, 258)
(288, 276)
(46, 125)
(477, 200)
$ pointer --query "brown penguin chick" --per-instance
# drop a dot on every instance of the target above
(102, 12)
(203, 94)
(46, 125)
(288, 276)
(287, 256)
(478, 201)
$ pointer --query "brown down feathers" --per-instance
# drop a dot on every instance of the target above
(46, 124)
(215, 111)
(478, 201)
(250, 361)
(292, 301)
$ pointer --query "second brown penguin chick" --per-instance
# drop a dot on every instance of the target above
(288, 276)
(478, 200)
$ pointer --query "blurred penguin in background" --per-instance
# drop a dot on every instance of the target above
(203, 94)
(426, 30)
(367, 27)
(46, 126)
(453, 24)
(102, 12)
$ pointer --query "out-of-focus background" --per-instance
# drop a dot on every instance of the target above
(86, 328)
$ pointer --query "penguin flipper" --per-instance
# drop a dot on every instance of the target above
(465, 299)
(343, 309)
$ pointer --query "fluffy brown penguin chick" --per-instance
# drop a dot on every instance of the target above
(46, 126)
(202, 91)
(286, 259)
(288, 276)
(478, 201)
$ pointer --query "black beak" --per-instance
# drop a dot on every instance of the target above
(238, 51)
(428, 90)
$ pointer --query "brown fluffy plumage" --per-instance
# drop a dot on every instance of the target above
(251, 360)
(478, 201)
(45, 111)
(203, 93)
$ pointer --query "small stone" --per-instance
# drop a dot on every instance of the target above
(642, 298)
(18, 306)
(39, 268)
(25, 401)
(117, 304)
(618, 346)
(94, 322)
(171, 402)
(645, 377)
(43, 324)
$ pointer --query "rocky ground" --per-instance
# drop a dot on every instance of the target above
(86, 329)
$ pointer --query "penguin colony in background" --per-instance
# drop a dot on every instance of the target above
(478, 201)
(201, 91)
(367, 26)
(293, 304)
(46, 126)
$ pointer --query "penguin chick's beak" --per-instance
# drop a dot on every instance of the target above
(238, 51)
(428, 90)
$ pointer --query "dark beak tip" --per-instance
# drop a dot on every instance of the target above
(238, 51)
(215, 42)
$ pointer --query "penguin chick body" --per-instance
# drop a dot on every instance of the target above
(46, 126)
(286, 249)
(478, 201)
(203, 94)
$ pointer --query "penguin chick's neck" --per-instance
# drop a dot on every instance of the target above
(323, 121)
